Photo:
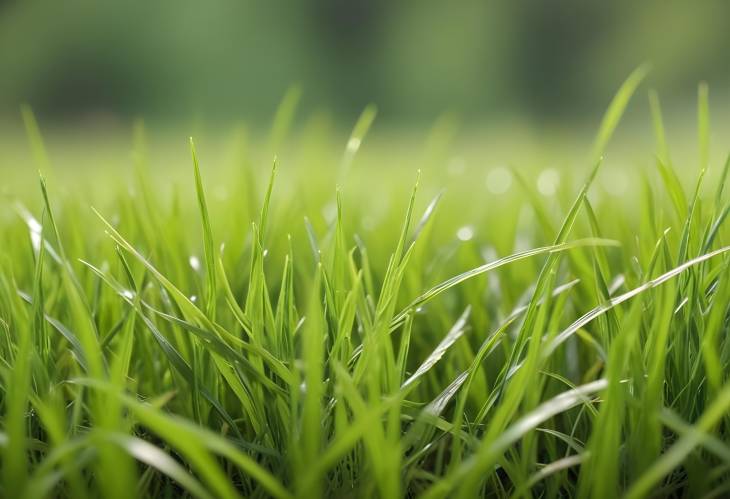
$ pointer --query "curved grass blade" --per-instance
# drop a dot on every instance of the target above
(467, 475)
(456, 331)
(153, 456)
(613, 302)
(356, 137)
(679, 451)
(616, 110)
(196, 443)
(458, 279)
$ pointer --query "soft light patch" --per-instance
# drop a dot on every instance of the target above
(499, 180)
(465, 233)
(548, 182)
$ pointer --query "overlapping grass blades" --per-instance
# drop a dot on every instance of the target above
(317, 359)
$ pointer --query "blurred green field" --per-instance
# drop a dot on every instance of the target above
(553, 64)
(450, 312)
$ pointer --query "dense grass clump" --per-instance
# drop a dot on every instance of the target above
(300, 345)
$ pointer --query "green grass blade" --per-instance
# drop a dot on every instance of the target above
(616, 109)
(210, 272)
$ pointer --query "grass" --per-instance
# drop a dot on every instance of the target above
(296, 341)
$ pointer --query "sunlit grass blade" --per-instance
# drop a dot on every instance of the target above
(703, 125)
(208, 246)
(284, 117)
(356, 137)
(465, 477)
(155, 457)
(450, 283)
(601, 309)
(616, 109)
(35, 139)
(456, 331)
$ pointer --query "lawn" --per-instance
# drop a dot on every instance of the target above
(356, 328)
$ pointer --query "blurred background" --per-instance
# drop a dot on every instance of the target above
(542, 62)
(465, 91)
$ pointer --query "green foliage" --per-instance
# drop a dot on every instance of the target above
(329, 357)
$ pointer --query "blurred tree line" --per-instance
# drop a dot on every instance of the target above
(231, 59)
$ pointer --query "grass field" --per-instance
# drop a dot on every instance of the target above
(521, 333)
